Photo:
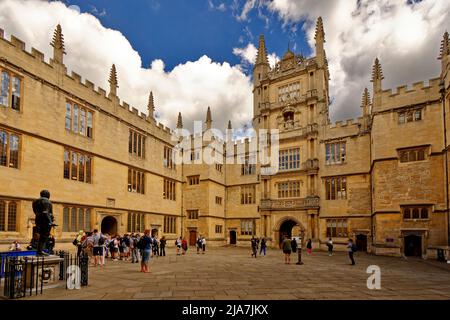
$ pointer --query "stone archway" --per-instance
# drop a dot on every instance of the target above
(284, 228)
(109, 226)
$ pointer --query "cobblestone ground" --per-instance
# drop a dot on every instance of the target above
(230, 273)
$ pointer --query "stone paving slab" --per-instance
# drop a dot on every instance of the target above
(231, 273)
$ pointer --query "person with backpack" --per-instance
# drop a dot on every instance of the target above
(134, 248)
(287, 249)
(330, 247)
(98, 241)
(162, 246)
(351, 248)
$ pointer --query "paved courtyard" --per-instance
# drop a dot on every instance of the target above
(230, 273)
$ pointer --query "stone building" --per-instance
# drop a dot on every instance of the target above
(381, 179)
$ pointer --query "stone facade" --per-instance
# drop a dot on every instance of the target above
(381, 179)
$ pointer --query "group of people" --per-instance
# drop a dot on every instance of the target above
(295, 245)
(133, 246)
(260, 243)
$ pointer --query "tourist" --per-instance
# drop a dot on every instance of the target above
(254, 246)
(184, 245)
(199, 244)
(115, 244)
(155, 246)
(15, 246)
(88, 245)
(146, 245)
(351, 248)
(111, 247)
(287, 249)
(203, 245)
(78, 241)
(263, 246)
(330, 247)
(162, 246)
(134, 249)
(97, 251)
(106, 249)
(294, 245)
(178, 244)
(309, 247)
(125, 245)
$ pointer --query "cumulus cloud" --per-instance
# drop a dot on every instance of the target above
(92, 48)
(404, 35)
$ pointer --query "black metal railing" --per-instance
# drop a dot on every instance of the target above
(26, 276)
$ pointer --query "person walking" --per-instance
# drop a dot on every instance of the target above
(162, 246)
(203, 245)
(309, 247)
(330, 247)
(146, 245)
(178, 244)
(294, 245)
(263, 246)
(184, 246)
(351, 248)
(254, 246)
(287, 249)
(199, 244)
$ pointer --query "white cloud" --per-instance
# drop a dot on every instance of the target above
(248, 55)
(405, 37)
(248, 6)
(91, 50)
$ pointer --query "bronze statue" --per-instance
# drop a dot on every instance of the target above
(44, 221)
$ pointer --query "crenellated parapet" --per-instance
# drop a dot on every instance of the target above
(52, 72)
(404, 95)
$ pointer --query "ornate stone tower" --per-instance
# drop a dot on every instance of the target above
(260, 72)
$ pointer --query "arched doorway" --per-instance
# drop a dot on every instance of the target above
(361, 242)
(192, 237)
(413, 245)
(109, 226)
(233, 237)
(286, 229)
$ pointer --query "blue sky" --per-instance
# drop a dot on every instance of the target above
(197, 53)
(184, 30)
